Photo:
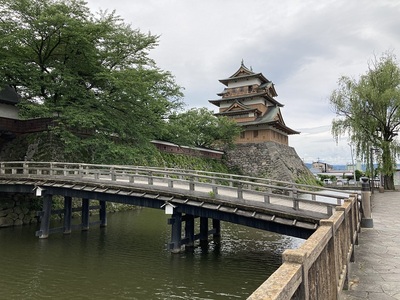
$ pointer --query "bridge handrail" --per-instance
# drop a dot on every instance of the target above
(217, 175)
(284, 189)
(324, 258)
(241, 177)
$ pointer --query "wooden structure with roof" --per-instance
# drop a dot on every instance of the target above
(8, 101)
(249, 99)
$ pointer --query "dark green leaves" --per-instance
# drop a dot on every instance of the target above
(90, 72)
(199, 127)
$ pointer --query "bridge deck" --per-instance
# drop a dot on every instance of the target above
(376, 271)
(276, 201)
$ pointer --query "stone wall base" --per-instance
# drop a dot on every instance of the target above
(17, 209)
(269, 160)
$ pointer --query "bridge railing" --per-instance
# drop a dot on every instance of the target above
(243, 188)
(321, 265)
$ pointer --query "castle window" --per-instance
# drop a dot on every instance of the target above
(255, 133)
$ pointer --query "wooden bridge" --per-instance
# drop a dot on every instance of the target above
(283, 207)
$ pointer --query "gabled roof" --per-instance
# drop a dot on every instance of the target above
(237, 104)
(242, 73)
(270, 86)
(273, 117)
(8, 95)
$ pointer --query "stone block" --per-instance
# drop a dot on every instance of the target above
(27, 219)
(17, 210)
(18, 222)
(6, 221)
(13, 216)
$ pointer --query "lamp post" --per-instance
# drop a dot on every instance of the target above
(354, 166)
(372, 150)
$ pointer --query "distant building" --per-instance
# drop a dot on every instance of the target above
(249, 99)
(323, 167)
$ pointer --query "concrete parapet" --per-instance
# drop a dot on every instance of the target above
(322, 262)
(282, 284)
(366, 220)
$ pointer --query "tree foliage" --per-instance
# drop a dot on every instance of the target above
(201, 128)
(92, 72)
(368, 110)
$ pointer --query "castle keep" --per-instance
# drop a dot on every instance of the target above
(249, 99)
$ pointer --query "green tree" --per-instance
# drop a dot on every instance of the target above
(91, 72)
(359, 174)
(368, 111)
(201, 128)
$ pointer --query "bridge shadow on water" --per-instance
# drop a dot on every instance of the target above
(128, 260)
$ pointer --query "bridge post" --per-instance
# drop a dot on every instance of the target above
(85, 214)
(176, 232)
(43, 233)
(191, 183)
(240, 191)
(203, 229)
(366, 219)
(189, 230)
(217, 229)
(67, 214)
(103, 214)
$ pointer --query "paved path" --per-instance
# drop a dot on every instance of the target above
(375, 274)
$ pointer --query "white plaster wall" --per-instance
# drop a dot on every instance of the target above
(243, 82)
(8, 111)
(252, 101)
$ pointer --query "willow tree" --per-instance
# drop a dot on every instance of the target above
(92, 72)
(368, 110)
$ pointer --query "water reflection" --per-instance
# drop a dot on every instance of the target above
(129, 260)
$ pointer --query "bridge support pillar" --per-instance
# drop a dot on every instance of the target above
(203, 229)
(216, 230)
(103, 214)
(85, 214)
(67, 214)
(43, 233)
(189, 231)
(176, 232)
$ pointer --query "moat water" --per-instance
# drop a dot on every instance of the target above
(129, 260)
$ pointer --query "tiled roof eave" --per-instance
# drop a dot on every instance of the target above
(237, 112)
(275, 124)
(258, 75)
(263, 94)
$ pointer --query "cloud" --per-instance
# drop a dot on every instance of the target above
(317, 143)
(304, 47)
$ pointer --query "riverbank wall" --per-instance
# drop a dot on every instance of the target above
(17, 209)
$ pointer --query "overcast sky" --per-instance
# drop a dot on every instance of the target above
(303, 47)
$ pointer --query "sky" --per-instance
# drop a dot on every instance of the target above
(303, 47)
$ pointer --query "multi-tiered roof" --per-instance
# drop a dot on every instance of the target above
(249, 98)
